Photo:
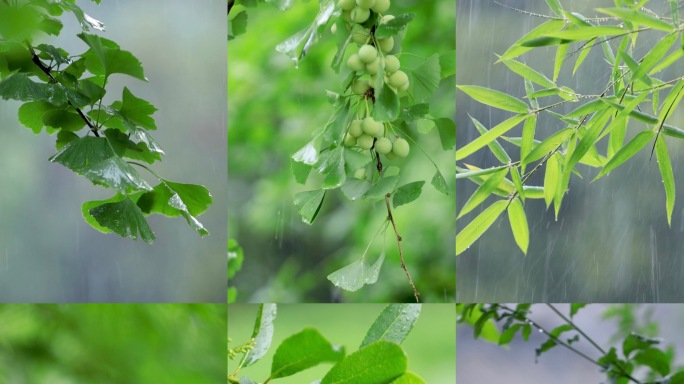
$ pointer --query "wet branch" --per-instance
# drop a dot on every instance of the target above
(47, 71)
(401, 254)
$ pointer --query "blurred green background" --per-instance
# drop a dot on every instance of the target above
(47, 252)
(430, 346)
(112, 343)
(611, 242)
(273, 108)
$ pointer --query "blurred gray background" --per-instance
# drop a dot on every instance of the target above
(480, 362)
(611, 242)
(47, 252)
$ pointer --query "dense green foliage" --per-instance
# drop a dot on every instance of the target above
(636, 357)
(275, 105)
(378, 360)
(640, 92)
(63, 94)
(120, 343)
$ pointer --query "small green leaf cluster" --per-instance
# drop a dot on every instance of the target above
(379, 359)
(636, 93)
(63, 94)
(636, 355)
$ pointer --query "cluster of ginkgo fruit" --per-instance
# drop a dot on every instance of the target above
(375, 56)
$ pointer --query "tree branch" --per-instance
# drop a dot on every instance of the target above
(401, 254)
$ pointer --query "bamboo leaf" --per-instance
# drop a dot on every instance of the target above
(518, 49)
(518, 221)
(483, 191)
(494, 145)
(637, 17)
(668, 177)
(494, 98)
(626, 153)
(583, 55)
(549, 144)
(529, 73)
(589, 139)
(587, 33)
(478, 226)
(492, 134)
(654, 56)
(551, 177)
(560, 59)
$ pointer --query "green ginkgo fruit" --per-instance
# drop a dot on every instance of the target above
(367, 53)
(360, 87)
(381, 6)
(400, 147)
(359, 14)
(383, 146)
(365, 141)
(355, 128)
(386, 45)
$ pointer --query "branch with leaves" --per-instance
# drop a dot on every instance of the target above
(633, 95)
(379, 359)
(639, 356)
(63, 94)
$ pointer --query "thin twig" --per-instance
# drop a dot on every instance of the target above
(581, 332)
(401, 254)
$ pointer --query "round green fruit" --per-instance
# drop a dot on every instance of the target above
(383, 146)
(404, 87)
(398, 79)
(400, 147)
(360, 87)
(372, 128)
(360, 174)
(360, 15)
(391, 64)
(381, 6)
(367, 53)
(386, 45)
(355, 64)
(360, 35)
(349, 140)
(346, 5)
(365, 3)
(373, 67)
(355, 128)
(365, 141)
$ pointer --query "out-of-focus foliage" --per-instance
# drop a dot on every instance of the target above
(273, 108)
(112, 343)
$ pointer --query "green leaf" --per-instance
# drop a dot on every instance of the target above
(551, 179)
(393, 26)
(555, 7)
(415, 112)
(309, 204)
(173, 199)
(301, 351)
(63, 119)
(447, 63)
(583, 55)
(518, 49)
(668, 176)
(439, 183)
(379, 362)
(407, 193)
(31, 114)
(262, 333)
(382, 187)
(19, 87)
(480, 172)
(634, 342)
(626, 153)
(106, 58)
(64, 138)
(548, 145)
(637, 17)
(478, 226)
(386, 104)
(529, 73)
(136, 110)
(494, 145)
(575, 307)
(561, 51)
(492, 134)
(394, 324)
(655, 359)
(447, 133)
(518, 221)
(494, 98)
(587, 33)
(300, 171)
(354, 276)
(237, 25)
(409, 378)
(120, 215)
(331, 165)
(425, 79)
(483, 191)
(94, 158)
(654, 56)
(527, 137)
(587, 142)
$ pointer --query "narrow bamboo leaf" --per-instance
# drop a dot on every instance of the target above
(533, 192)
(587, 108)
(673, 132)
(583, 55)
(673, 98)
(545, 41)
(394, 324)
(589, 139)
(577, 18)
(624, 113)
(478, 226)
(494, 98)
(641, 116)
(668, 177)
(561, 51)
(551, 178)
(529, 88)
(518, 49)
(494, 145)
(483, 191)
(527, 137)
(637, 17)
(262, 333)
(617, 136)
(504, 189)
(492, 134)
(587, 33)
(654, 56)
(309, 204)
(529, 73)
(543, 93)
(626, 153)
(555, 6)
(518, 221)
(549, 144)
(379, 362)
(517, 140)
(354, 276)
(407, 193)
(517, 181)
(479, 172)
(669, 60)
(301, 351)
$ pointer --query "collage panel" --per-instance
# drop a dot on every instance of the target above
(341, 343)
(337, 173)
(112, 343)
(570, 343)
(568, 150)
(93, 94)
